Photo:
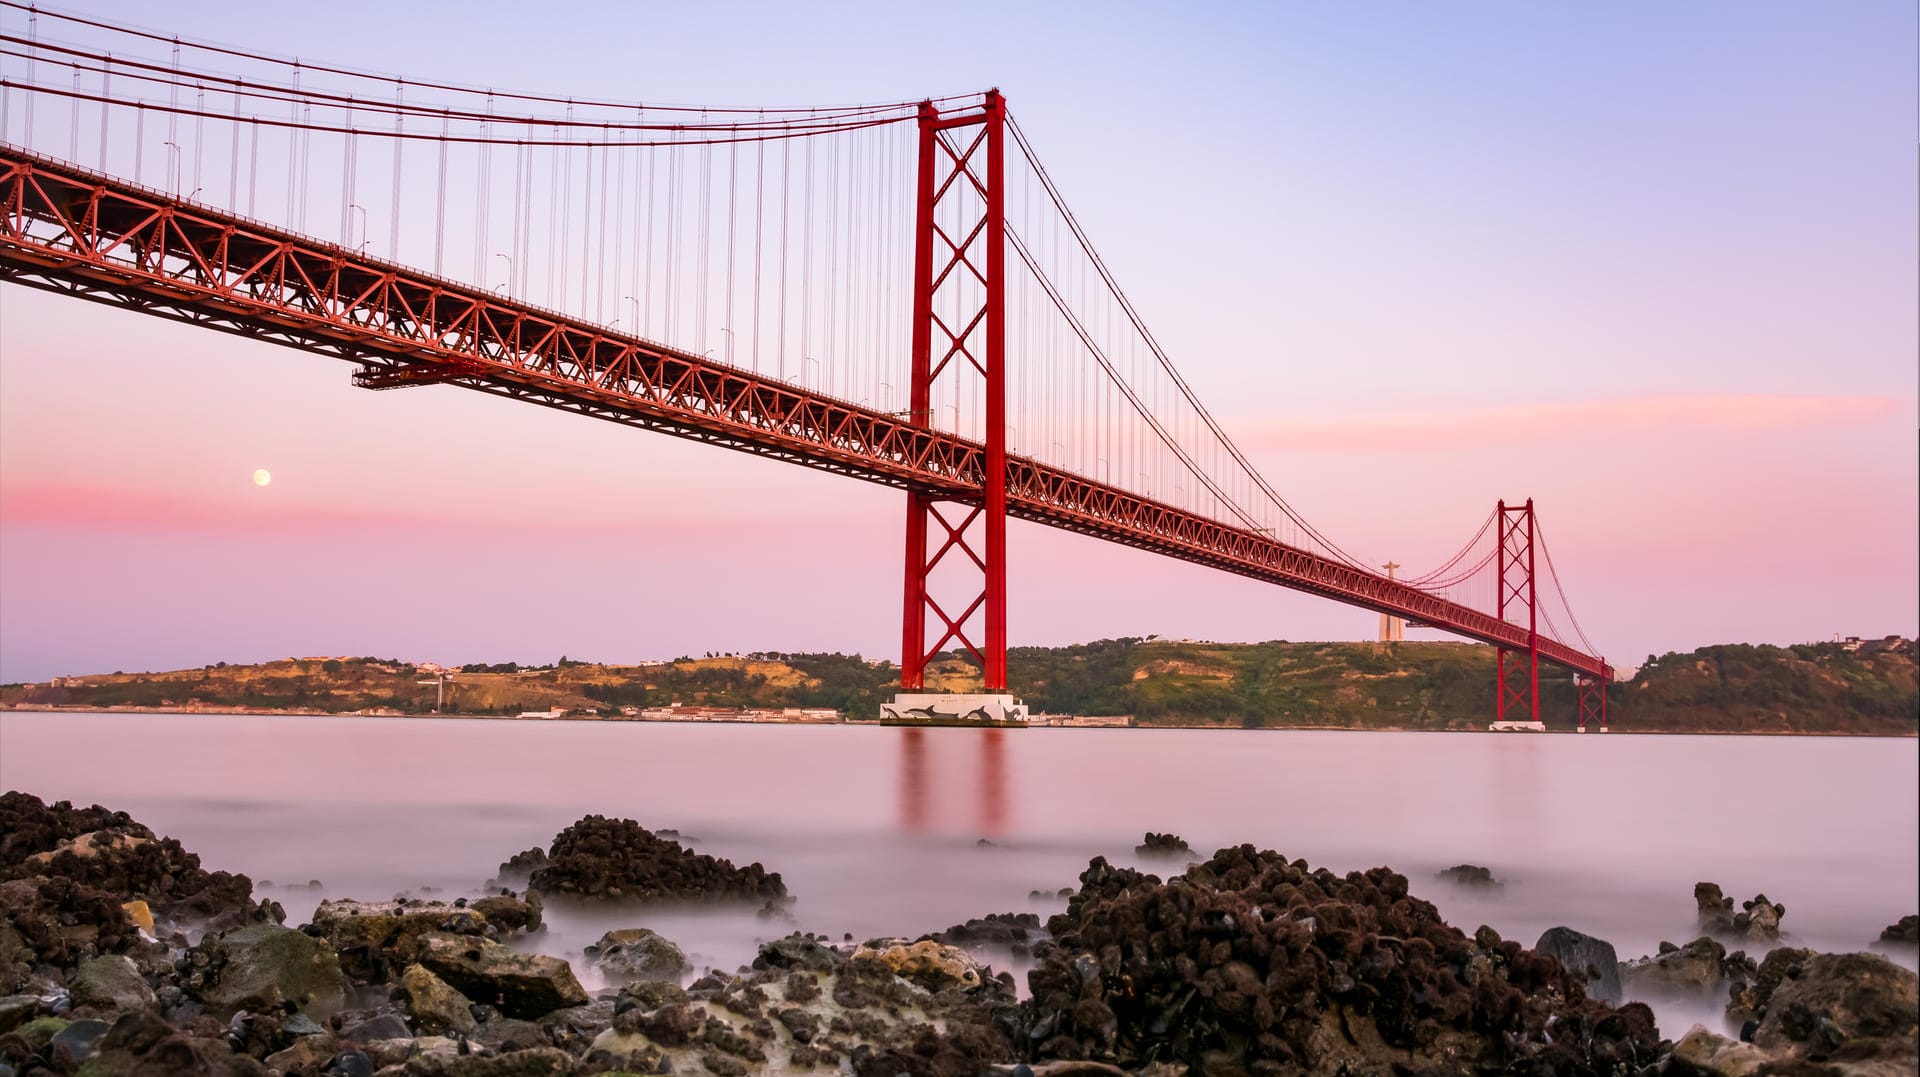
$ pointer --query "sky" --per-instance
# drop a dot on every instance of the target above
(1652, 265)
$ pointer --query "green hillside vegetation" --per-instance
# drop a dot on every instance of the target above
(1811, 687)
(1823, 688)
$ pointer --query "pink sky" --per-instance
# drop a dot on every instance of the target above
(1666, 290)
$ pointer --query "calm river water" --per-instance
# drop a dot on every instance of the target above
(880, 831)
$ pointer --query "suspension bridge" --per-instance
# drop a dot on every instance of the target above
(897, 293)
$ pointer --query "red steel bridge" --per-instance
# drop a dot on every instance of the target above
(897, 293)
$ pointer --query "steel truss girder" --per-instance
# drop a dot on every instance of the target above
(89, 236)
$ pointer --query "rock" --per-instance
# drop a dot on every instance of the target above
(522, 864)
(1717, 1056)
(142, 1043)
(76, 1042)
(375, 938)
(1163, 845)
(619, 860)
(305, 1055)
(349, 1064)
(521, 985)
(1012, 929)
(266, 964)
(1836, 998)
(510, 912)
(1470, 875)
(1759, 920)
(436, 1007)
(627, 1050)
(384, 1027)
(1715, 909)
(534, 1062)
(1906, 930)
(109, 983)
(799, 951)
(1250, 963)
(110, 853)
(56, 921)
(510, 1034)
(1585, 956)
(638, 953)
(1693, 969)
(141, 915)
(927, 963)
(17, 1010)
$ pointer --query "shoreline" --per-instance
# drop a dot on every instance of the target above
(306, 712)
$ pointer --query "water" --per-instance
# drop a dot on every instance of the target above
(880, 831)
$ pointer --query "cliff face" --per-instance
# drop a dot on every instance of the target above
(1812, 688)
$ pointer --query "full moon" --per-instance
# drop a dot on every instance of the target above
(262, 477)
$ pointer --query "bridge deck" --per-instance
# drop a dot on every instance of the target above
(99, 238)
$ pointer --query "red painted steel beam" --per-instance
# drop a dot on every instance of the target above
(78, 233)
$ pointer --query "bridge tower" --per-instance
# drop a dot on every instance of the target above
(959, 331)
(1593, 702)
(1518, 681)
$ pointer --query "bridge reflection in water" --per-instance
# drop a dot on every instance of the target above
(954, 779)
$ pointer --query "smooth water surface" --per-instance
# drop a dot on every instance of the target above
(899, 832)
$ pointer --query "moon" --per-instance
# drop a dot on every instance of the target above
(262, 476)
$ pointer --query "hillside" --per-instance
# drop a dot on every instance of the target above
(1811, 688)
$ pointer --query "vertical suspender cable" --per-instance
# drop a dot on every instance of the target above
(759, 215)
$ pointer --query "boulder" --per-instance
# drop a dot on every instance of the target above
(638, 953)
(799, 951)
(375, 938)
(619, 860)
(264, 965)
(1836, 998)
(522, 864)
(109, 983)
(142, 1043)
(17, 1010)
(435, 1005)
(1016, 930)
(1708, 1053)
(1587, 957)
(534, 1062)
(1905, 930)
(1470, 875)
(629, 1051)
(384, 1027)
(509, 911)
(1254, 963)
(111, 853)
(520, 985)
(1715, 909)
(1163, 845)
(1759, 920)
(1693, 969)
(927, 963)
(76, 1042)
(308, 1054)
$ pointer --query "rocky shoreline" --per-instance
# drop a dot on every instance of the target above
(120, 955)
